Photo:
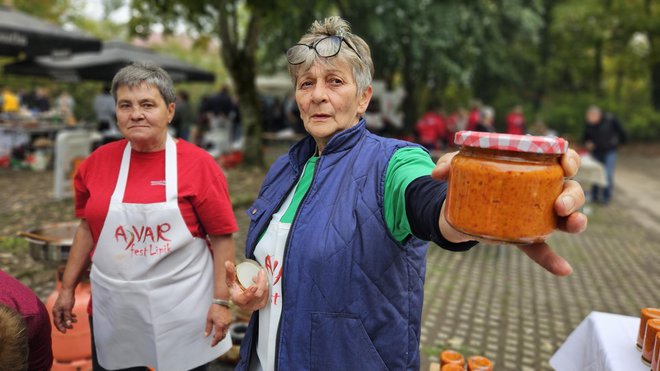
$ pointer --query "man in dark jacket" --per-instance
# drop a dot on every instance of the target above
(602, 135)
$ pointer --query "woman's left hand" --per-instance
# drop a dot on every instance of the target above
(567, 205)
(218, 320)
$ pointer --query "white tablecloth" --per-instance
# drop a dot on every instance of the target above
(602, 342)
(591, 172)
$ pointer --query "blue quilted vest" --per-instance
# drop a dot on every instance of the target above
(352, 295)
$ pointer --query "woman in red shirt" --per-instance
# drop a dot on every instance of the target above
(150, 208)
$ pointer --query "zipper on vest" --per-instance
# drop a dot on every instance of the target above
(284, 260)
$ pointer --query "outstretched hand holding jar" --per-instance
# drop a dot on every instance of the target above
(516, 193)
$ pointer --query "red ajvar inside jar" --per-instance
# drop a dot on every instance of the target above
(503, 187)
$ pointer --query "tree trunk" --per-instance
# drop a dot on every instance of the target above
(239, 56)
(250, 109)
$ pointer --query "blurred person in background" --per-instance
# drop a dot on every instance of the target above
(220, 111)
(104, 109)
(456, 122)
(184, 118)
(25, 342)
(540, 128)
(431, 128)
(154, 213)
(475, 115)
(65, 105)
(515, 121)
(41, 101)
(486, 120)
(603, 133)
(9, 102)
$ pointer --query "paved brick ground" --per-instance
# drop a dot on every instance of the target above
(496, 302)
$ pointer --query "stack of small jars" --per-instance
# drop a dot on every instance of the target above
(648, 338)
(451, 360)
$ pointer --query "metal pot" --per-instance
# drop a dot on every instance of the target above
(237, 331)
(51, 242)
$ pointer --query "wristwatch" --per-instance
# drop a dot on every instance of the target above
(222, 302)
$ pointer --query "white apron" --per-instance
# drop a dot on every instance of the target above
(269, 252)
(152, 283)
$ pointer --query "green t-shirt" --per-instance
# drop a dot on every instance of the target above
(406, 165)
(302, 187)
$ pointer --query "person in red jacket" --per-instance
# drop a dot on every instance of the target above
(431, 128)
(475, 116)
(24, 328)
(515, 121)
(456, 122)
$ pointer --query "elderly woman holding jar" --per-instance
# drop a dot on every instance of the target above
(340, 227)
(151, 207)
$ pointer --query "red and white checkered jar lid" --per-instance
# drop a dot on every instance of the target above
(512, 142)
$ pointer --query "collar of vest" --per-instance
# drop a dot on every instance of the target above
(342, 141)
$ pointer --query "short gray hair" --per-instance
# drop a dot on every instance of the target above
(594, 108)
(488, 112)
(362, 65)
(148, 73)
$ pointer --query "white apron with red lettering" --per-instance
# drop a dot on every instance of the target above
(152, 283)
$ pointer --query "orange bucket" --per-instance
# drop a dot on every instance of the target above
(75, 345)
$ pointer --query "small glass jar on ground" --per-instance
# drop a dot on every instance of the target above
(647, 314)
(478, 363)
(655, 359)
(652, 329)
(448, 357)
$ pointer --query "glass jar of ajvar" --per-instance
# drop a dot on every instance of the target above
(503, 187)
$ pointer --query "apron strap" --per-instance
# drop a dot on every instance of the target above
(118, 194)
(171, 178)
(171, 181)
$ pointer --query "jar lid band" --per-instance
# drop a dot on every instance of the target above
(512, 142)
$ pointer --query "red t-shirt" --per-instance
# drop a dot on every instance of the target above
(431, 127)
(515, 123)
(203, 195)
(20, 298)
(473, 119)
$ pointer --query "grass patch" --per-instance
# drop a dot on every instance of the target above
(14, 245)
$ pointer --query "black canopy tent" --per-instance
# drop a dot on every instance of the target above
(103, 65)
(22, 34)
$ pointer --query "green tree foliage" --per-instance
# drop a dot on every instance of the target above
(239, 25)
(50, 10)
(435, 48)
(553, 56)
(602, 52)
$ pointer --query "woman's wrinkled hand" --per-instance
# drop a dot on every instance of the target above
(254, 297)
(63, 316)
(218, 320)
(567, 207)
